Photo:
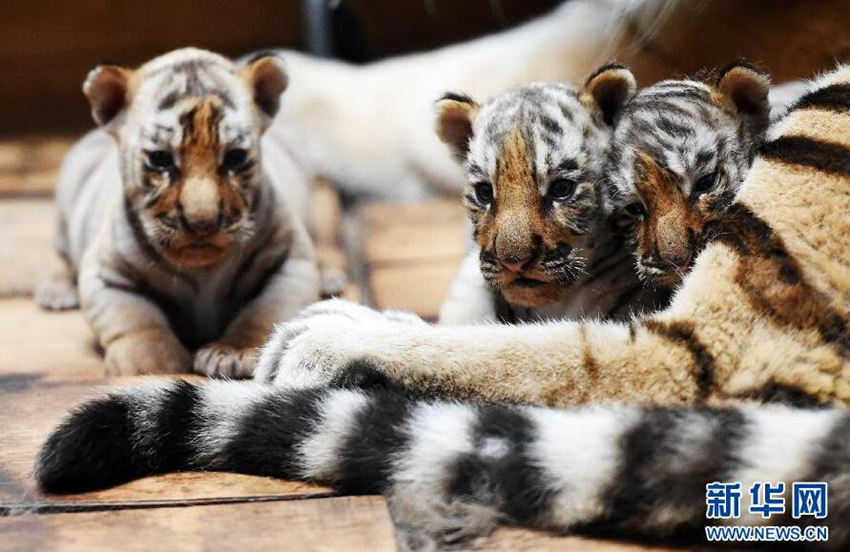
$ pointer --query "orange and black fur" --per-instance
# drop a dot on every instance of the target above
(545, 243)
(763, 317)
(679, 153)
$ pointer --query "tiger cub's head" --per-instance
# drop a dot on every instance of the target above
(532, 157)
(681, 149)
(188, 126)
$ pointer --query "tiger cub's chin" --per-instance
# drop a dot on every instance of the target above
(531, 293)
(200, 254)
(204, 249)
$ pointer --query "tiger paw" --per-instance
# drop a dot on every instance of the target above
(57, 294)
(217, 360)
(316, 347)
(151, 351)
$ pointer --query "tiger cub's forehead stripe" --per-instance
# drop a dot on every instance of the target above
(200, 123)
(549, 116)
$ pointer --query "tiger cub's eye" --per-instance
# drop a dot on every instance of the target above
(561, 188)
(635, 210)
(234, 159)
(161, 159)
(705, 183)
(484, 192)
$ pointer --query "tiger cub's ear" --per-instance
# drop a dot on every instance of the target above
(266, 77)
(746, 87)
(455, 115)
(107, 88)
(608, 89)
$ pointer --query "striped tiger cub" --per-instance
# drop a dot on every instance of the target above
(680, 150)
(545, 247)
(179, 227)
(762, 317)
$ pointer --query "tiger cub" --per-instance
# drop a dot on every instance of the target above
(178, 226)
(545, 247)
(680, 150)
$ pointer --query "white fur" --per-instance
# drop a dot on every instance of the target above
(440, 432)
(144, 402)
(778, 447)
(579, 453)
(320, 451)
(329, 104)
(222, 407)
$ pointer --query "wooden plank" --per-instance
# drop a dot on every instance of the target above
(46, 345)
(352, 524)
(33, 406)
(411, 252)
(431, 230)
(30, 165)
(416, 287)
(26, 241)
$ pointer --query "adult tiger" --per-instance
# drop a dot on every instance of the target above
(189, 232)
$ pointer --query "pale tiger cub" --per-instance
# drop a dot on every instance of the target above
(545, 245)
(764, 315)
(680, 150)
(188, 234)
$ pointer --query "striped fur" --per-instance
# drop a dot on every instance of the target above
(762, 317)
(188, 225)
(680, 151)
(452, 471)
(544, 245)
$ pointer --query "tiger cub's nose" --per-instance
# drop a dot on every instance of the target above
(515, 265)
(202, 227)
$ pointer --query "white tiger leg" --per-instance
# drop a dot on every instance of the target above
(57, 289)
(133, 331)
(296, 285)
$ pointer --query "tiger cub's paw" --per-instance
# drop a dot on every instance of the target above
(57, 294)
(151, 351)
(222, 361)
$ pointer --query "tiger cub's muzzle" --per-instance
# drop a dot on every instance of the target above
(532, 277)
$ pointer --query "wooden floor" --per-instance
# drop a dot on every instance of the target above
(400, 256)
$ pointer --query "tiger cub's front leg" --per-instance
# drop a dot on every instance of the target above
(57, 290)
(295, 285)
(134, 332)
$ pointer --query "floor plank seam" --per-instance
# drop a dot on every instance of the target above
(26, 194)
(23, 509)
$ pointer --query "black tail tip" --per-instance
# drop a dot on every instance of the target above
(90, 450)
